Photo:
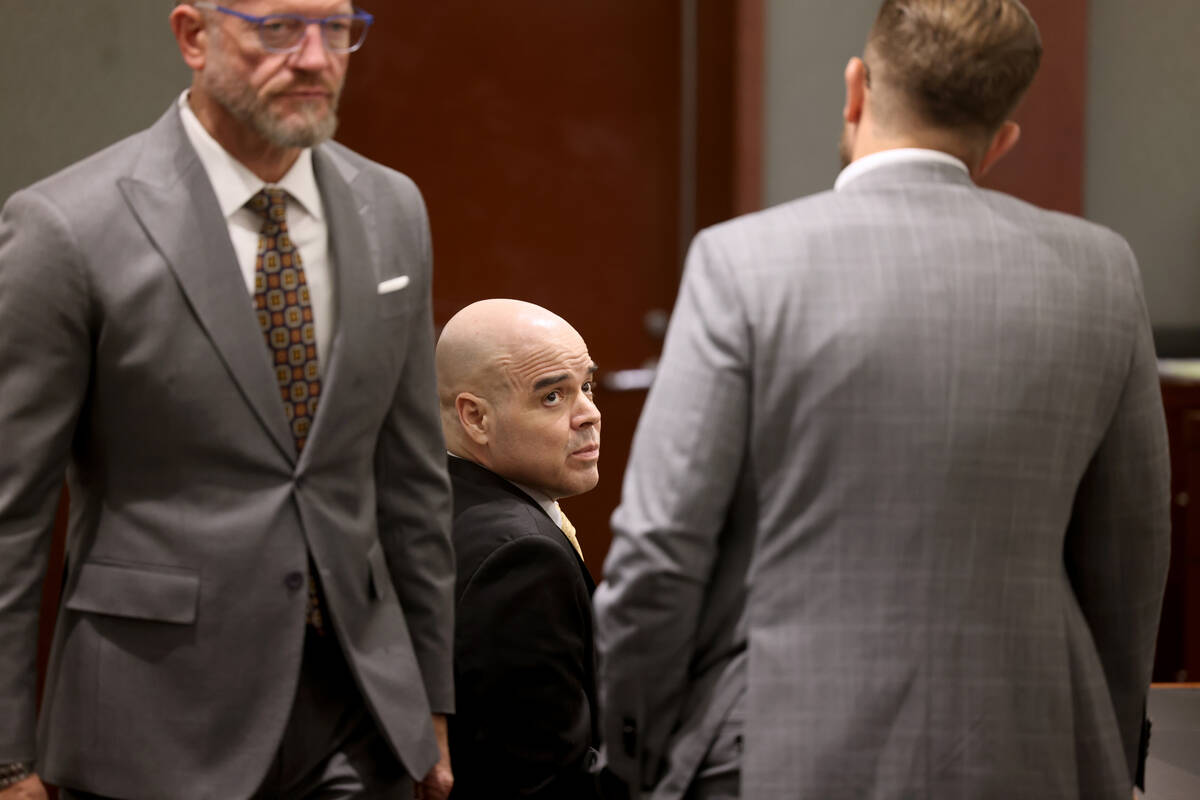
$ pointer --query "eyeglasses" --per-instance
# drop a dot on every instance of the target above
(284, 33)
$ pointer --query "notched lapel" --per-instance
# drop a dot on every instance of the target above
(353, 257)
(170, 194)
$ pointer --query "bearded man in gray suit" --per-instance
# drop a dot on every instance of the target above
(895, 523)
(259, 587)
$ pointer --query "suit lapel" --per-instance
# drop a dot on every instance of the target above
(466, 470)
(171, 195)
(352, 257)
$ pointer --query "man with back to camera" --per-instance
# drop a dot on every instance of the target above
(523, 431)
(895, 522)
(258, 591)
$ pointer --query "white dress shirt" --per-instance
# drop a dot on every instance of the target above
(234, 185)
(899, 155)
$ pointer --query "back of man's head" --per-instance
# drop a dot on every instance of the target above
(951, 64)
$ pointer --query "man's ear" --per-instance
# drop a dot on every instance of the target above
(856, 90)
(187, 23)
(474, 416)
(1002, 141)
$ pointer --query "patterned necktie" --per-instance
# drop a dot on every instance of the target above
(569, 531)
(285, 314)
(285, 317)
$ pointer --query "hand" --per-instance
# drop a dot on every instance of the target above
(437, 784)
(30, 788)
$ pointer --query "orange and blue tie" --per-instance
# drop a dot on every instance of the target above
(285, 316)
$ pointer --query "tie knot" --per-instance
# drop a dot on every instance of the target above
(271, 204)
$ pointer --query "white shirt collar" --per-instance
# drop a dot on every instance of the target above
(549, 505)
(234, 183)
(900, 155)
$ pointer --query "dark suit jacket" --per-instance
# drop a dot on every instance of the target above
(524, 668)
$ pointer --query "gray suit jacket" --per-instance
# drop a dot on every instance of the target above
(131, 358)
(902, 480)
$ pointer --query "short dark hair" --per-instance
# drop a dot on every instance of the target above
(954, 63)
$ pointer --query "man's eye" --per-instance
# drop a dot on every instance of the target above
(553, 397)
(587, 387)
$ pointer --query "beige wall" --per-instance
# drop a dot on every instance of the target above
(1143, 151)
(76, 75)
(807, 45)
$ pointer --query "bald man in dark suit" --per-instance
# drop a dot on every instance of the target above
(515, 385)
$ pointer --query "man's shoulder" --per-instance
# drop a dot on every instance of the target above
(490, 516)
(1051, 220)
(784, 214)
(494, 512)
(97, 172)
(1092, 252)
(833, 216)
(89, 184)
(354, 166)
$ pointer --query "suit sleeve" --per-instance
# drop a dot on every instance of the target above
(522, 621)
(413, 490)
(685, 464)
(1118, 542)
(45, 352)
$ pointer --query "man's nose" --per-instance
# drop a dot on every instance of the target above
(312, 54)
(587, 412)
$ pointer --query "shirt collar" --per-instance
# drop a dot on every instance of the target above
(548, 504)
(900, 155)
(234, 183)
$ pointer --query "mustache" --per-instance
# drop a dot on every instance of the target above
(308, 85)
(585, 442)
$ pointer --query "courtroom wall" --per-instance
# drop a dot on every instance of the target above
(76, 75)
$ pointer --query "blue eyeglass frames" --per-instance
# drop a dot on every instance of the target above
(284, 33)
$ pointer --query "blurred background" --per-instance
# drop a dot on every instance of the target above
(569, 150)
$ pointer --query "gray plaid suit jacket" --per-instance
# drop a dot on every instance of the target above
(898, 500)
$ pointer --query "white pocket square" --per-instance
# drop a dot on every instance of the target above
(393, 284)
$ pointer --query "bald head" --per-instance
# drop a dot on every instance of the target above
(515, 388)
(482, 339)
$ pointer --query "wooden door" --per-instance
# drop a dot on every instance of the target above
(1046, 167)
(557, 147)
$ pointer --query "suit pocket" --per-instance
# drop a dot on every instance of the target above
(394, 303)
(158, 594)
(379, 580)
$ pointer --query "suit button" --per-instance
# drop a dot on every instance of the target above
(294, 580)
(629, 736)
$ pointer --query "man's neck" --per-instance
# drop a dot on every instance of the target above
(264, 159)
(871, 140)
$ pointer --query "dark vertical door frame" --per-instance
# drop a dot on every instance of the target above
(722, 132)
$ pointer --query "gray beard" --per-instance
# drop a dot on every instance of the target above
(241, 104)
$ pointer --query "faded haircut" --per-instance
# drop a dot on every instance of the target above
(953, 63)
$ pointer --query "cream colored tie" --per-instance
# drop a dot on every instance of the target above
(569, 531)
